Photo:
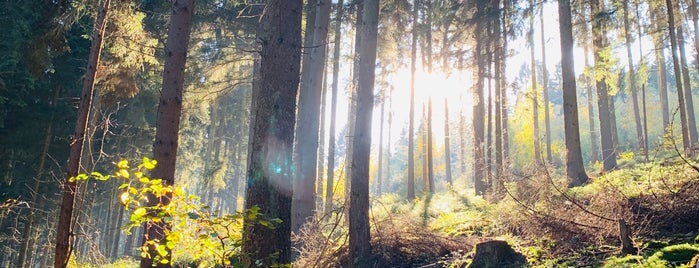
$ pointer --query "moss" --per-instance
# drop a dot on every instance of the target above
(674, 255)
(627, 261)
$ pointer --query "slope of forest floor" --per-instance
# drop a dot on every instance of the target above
(552, 226)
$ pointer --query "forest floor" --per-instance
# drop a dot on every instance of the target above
(550, 225)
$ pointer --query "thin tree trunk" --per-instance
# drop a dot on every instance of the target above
(497, 62)
(168, 122)
(430, 153)
(333, 108)
(659, 48)
(359, 236)
(380, 167)
(639, 30)
(411, 123)
(479, 107)
(686, 142)
(64, 231)
(691, 121)
(310, 90)
(351, 123)
(447, 149)
(320, 163)
(575, 170)
(545, 89)
(534, 88)
(603, 98)
(632, 79)
(503, 78)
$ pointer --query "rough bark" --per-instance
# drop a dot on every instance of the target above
(269, 174)
(575, 170)
(333, 108)
(169, 111)
(64, 231)
(359, 237)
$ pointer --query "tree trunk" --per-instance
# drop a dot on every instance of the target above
(333, 108)
(534, 89)
(603, 98)
(639, 30)
(306, 145)
(64, 232)
(351, 124)
(691, 121)
(544, 86)
(659, 48)
(447, 149)
(320, 163)
(430, 160)
(380, 167)
(269, 186)
(479, 107)
(632, 78)
(678, 77)
(411, 123)
(503, 78)
(168, 121)
(575, 170)
(498, 62)
(359, 237)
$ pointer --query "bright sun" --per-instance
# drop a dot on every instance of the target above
(437, 85)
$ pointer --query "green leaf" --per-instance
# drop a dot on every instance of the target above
(193, 215)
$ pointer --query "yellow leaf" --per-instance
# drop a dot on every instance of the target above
(123, 164)
(140, 212)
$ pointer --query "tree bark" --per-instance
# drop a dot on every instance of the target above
(659, 48)
(479, 106)
(603, 99)
(333, 108)
(351, 123)
(64, 231)
(359, 236)
(534, 89)
(575, 170)
(411, 123)
(447, 146)
(545, 89)
(632, 78)
(678, 77)
(168, 122)
(269, 173)
(306, 147)
(691, 121)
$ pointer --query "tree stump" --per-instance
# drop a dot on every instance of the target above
(496, 254)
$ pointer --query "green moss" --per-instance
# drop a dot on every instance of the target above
(627, 261)
(674, 255)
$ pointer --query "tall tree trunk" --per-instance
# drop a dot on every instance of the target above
(430, 153)
(659, 48)
(380, 167)
(639, 31)
(632, 78)
(351, 123)
(320, 163)
(545, 89)
(686, 142)
(388, 143)
(333, 108)
(411, 122)
(691, 121)
(603, 99)
(425, 168)
(498, 67)
(269, 185)
(447, 146)
(575, 170)
(428, 34)
(479, 106)
(359, 237)
(306, 149)
(64, 232)
(168, 122)
(503, 78)
(534, 89)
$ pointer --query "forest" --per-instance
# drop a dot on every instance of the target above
(349, 133)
